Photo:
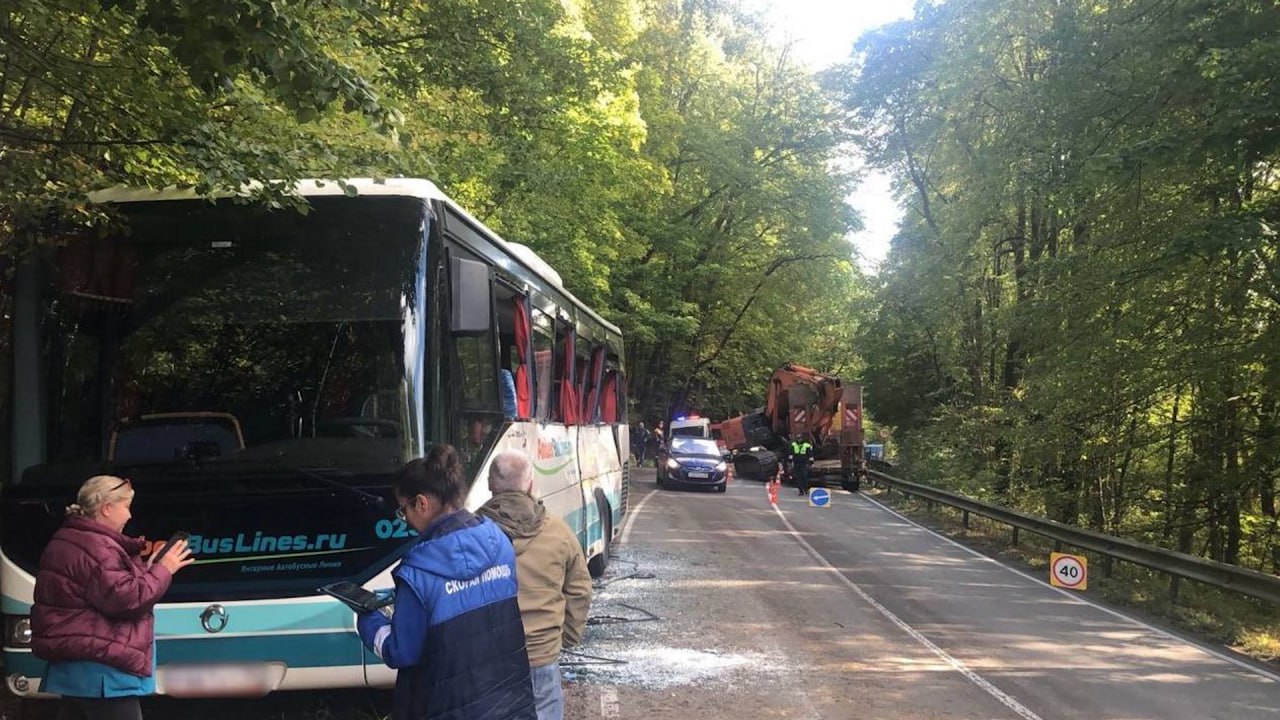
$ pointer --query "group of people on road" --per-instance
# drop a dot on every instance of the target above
(484, 602)
(645, 443)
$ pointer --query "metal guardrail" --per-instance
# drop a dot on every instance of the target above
(1179, 565)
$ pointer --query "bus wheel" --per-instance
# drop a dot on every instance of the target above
(596, 565)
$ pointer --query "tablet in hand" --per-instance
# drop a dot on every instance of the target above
(356, 597)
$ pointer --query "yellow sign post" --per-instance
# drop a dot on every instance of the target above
(1069, 571)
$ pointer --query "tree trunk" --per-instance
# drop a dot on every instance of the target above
(1013, 349)
(1170, 506)
(1119, 500)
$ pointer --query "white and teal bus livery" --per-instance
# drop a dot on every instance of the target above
(260, 375)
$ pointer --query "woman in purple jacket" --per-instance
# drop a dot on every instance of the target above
(92, 618)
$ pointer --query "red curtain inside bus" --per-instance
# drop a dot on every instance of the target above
(524, 388)
(609, 401)
(568, 393)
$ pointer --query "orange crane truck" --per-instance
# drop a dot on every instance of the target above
(802, 403)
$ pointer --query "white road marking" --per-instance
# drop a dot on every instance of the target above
(608, 702)
(632, 515)
(1273, 677)
(1004, 698)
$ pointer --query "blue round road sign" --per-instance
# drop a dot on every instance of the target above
(819, 497)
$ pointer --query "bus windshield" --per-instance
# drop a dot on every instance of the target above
(223, 337)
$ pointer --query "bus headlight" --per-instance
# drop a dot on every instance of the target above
(672, 464)
(17, 630)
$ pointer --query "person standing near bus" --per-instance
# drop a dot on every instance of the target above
(656, 440)
(455, 634)
(555, 587)
(640, 442)
(92, 617)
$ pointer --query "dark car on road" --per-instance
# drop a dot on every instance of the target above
(692, 461)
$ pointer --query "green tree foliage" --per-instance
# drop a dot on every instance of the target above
(676, 169)
(1080, 314)
(743, 262)
(208, 93)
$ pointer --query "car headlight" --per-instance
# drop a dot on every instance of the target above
(722, 467)
(17, 630)
(673, 464)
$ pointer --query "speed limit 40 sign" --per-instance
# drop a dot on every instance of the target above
(1068, 571)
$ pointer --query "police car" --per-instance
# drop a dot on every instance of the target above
(693, 461)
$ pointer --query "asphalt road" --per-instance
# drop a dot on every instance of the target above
(853, 612)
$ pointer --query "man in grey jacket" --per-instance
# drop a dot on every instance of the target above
(554, 588)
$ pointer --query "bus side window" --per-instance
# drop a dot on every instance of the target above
(568, 405)
(611, 396)
(476, 379)
(582, 375)
(615, 387)
(512, 372)
(593, 384)
(543, 363)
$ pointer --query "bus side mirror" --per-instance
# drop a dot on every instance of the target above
(472, 308)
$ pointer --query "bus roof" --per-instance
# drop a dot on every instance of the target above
(392, 187)
(369, 187)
